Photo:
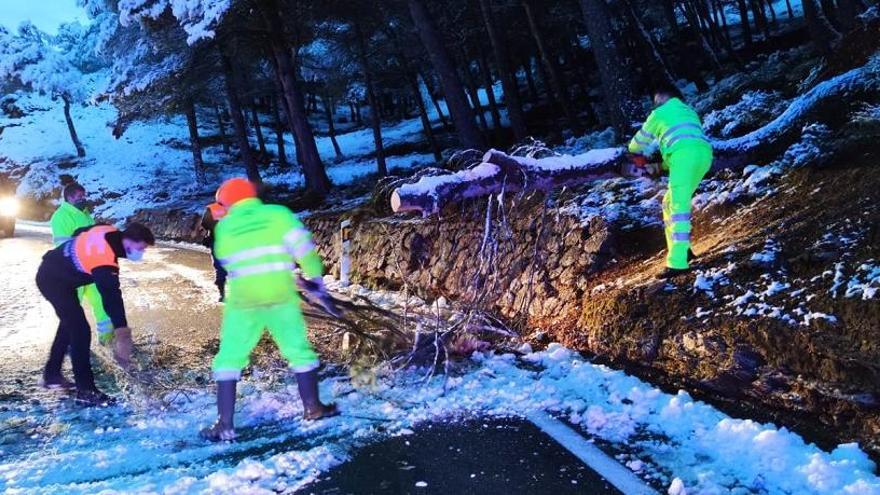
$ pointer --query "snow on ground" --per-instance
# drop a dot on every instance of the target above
(664, 437)
(777, 294)
(151, 165)
(627, 202)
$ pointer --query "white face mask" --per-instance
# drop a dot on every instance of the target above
(134, 255)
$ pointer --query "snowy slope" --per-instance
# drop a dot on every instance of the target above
(151, 165)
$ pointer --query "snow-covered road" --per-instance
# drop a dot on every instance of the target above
(48, 445)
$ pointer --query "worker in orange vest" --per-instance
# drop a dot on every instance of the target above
(90, 257)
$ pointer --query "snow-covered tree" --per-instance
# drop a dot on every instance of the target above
(28, 58)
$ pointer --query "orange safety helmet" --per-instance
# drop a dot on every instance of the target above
(234, 190)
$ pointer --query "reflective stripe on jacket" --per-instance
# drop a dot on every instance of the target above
(259, 245)
(673, 125)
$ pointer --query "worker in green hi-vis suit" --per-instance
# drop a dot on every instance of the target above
(260, 245)
(70, 217)
(687, 154)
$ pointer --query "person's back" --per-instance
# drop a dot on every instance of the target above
(687, 154)
(66, 220)
(258, 245)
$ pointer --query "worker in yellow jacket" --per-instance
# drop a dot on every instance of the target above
(260, 245)
(71, 216)
(687, 153)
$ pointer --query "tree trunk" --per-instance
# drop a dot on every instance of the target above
(195, 145)
(508, 78)
(258, 130)
(316, 178)
(238, 123)
(694, 21)
(659, 66)
(773, 20)
(80, 151)
(530, 79)
(331, 127)
(744, 23)
(474, 94)
(557, 84)
(671, 17)
(760, 18)
(822, 33)
(486, 74)
(375, 121)
(790, 10)
(725, 29)
(499, 173)
(279, 134)
(617, 83)
(830, 12)
(456, 101)
(433, 95)
(224, 141)
(413, 80)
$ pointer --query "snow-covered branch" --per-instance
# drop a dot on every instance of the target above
(499, 172)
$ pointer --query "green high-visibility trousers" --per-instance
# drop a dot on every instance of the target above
(242, 328)
(687, 167)
(102, 320)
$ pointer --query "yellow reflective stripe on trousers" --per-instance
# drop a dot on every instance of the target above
(278, 266)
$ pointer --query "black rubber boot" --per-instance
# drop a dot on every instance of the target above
(668, 272)
(313, 409)
(57, 382)
(222, 429)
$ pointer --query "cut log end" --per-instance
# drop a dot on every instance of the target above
(395, 201)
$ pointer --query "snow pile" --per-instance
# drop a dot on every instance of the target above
(628, 202)
(584, 160)
(707, 280)
(753, 110)
(865, 283)
(665, 437)
(594, 140)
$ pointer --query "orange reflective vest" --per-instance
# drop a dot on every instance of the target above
(90, 249)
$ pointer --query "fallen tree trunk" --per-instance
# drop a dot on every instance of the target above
(499, 172)
(824, 100)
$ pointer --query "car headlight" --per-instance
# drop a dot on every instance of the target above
(9, 206)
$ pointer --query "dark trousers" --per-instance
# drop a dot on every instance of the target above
(219, 274)
(73, 331)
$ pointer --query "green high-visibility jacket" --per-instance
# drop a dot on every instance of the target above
(260, 245)
(66, 220)
(673, 126)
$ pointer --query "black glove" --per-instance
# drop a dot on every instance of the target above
(316, 290)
